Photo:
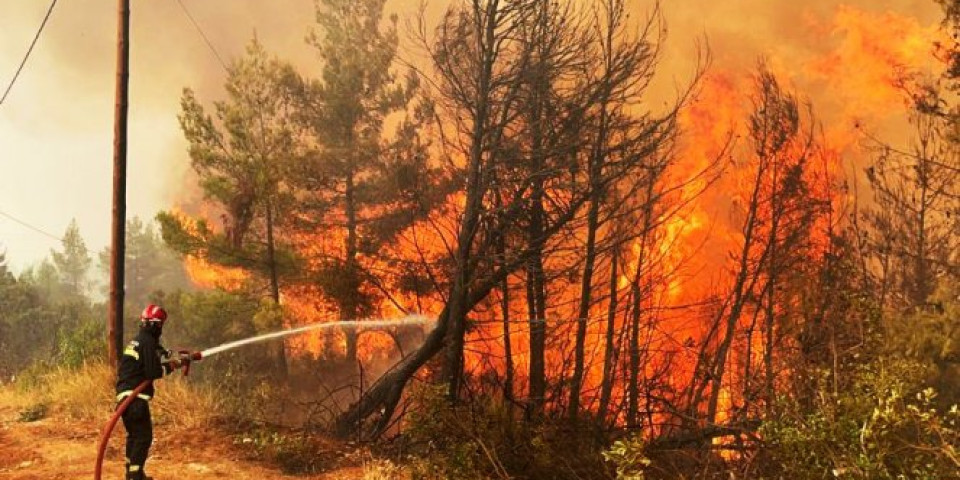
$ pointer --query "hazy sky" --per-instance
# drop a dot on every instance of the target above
(56, 127)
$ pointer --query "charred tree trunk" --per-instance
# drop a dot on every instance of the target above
(586, 291)
(385, 393)
(606, 388)
(590, 256)
(507, 342)
(536, 278)
(633, 370)
(349, 307)
(637, 294)
(536, 308)
(476, 187)
(771, 287)
(745, 282)
(275, 283)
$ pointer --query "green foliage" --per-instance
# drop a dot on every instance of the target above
(209, 318)
(83, 341)
(245, 377)
(483, 438)
(366, 185)
(446, 451)
(269, 316)
(32, 413)
(884, 427)
(43, 277)
(39, 326)
(46, 318)
(73, 261)
(629, 458)
(294, 452)
(931, 337)
(242, 154)
(149, 265)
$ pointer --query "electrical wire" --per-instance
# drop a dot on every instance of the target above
(31, 227)
(29, 50)
(203, 35)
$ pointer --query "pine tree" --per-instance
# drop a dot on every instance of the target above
(73, 261)
(149, 265)
(242, 155)
(358, 183)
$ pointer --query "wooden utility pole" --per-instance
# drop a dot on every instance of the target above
(117, 250)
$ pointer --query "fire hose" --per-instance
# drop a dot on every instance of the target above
(185, 358)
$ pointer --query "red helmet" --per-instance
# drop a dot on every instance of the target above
(153, 313)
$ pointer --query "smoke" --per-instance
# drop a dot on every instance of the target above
(56, 127)
(843, 58)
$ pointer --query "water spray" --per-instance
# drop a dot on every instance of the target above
(345, 324)
(187, 357)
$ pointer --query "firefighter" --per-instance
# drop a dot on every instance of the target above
(143, 359)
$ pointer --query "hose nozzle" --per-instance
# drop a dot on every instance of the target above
(186, 357)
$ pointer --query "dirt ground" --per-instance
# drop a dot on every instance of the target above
(58, 448)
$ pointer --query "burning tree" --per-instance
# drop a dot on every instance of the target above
(786, 203)
(536, 135)
(551, 214)
(242, 156)
(357, 188)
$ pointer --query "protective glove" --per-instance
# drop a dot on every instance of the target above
(182, 359)
(175, 363)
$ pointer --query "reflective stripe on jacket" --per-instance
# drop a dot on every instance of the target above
(141, 360)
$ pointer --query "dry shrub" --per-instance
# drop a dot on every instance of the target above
(183, 404)
(481, 438)
(383, 470)
(83, 393)
(20, 399)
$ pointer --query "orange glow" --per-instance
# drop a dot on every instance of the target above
(690, 255)
(204, 274)
(874, 54)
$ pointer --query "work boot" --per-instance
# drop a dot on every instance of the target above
(137, 475)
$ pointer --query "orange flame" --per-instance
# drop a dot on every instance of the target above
(864, 71)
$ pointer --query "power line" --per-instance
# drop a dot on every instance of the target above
(203, 35)
(29, 50)
(31, 227)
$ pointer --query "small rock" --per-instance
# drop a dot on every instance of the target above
(25, 464)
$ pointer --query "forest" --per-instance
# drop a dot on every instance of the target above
(623, 280)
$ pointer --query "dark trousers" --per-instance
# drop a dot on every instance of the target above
(136, 419)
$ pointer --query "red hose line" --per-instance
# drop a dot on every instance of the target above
(108, 429)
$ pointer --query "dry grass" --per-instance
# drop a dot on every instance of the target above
(82, 394)
(87, 393)
(383, 470)
(76, 402)
(183, 404)
(18, 399)
(79, 394)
